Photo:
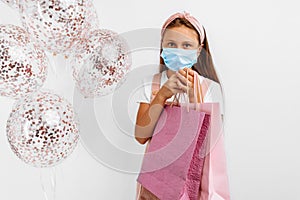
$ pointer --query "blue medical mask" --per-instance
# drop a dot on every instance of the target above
(176, 58)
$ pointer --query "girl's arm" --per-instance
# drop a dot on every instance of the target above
(148, 114)
(147, 117)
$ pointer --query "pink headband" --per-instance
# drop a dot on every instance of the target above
(188, 17)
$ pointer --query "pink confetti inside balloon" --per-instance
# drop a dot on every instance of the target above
(100, 63)
(23, 66)
(42, 129)
(12, 3)
(56, 25)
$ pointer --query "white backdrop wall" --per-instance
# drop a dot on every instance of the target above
(255, 47)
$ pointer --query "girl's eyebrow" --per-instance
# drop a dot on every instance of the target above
(188, 41)
(183, 42)
(170, 40)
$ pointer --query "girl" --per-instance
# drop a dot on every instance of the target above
(184, 50)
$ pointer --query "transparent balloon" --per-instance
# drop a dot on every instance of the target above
(23, 65)
(100, 63)
(42, 129)
(57, 25)
(12, 3)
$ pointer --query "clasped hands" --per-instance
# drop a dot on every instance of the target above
(180, 82)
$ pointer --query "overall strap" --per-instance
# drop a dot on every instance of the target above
(204, 86)
(155, 85)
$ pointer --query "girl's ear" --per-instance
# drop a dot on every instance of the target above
(199, 49)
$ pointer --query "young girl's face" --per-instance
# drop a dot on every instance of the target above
(181, 37)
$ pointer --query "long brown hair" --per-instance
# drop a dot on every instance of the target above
(204, 65)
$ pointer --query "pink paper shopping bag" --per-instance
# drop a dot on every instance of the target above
(213, 173)
(172, 165)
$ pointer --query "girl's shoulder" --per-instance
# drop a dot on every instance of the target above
(207, 81)
(213, 93)
(210, 87)
(145, 87)
(147, 80)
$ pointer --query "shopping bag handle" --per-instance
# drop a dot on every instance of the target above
(197, 87)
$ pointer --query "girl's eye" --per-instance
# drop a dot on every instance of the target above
(187, 45)
(171, 44)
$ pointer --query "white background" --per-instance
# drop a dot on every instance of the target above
(255, 46)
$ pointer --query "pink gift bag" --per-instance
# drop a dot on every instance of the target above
(185, 157)
(172, 165)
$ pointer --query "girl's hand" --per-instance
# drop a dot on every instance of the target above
(171, 87)
(186, 77)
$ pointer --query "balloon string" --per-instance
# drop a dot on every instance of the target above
(52, 64)
(52, 180)
(42, 185)
(68, 64)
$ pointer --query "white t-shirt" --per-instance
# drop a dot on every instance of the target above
(213, 93)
